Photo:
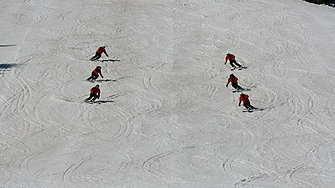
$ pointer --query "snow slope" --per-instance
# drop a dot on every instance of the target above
(168, 120)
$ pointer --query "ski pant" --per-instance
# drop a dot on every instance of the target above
(93, 76)
(92, 97)
(96, 57)
(248, 105)
(233, 63)
(236, 86)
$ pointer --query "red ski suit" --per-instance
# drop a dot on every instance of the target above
(229, 57)
(244, 98)
(102, 50)
(232, 80)
(97, 71)
(95, 91)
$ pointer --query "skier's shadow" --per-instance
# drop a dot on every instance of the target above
(6, 45)
(264, 108)
(6, 67)
(101, 101)
(111, 60)
(259, 109)
(254, 109)
(105, 80)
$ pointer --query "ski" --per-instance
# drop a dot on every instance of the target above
(87, 101)
(253, 109)
(238, 90)
(93, 59)
(240, 68)
(101, 80)
(92, 81)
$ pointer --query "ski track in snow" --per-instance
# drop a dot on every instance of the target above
(172, 122)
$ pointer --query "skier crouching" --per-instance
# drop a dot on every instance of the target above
(95, 74)
(94, 94)
(233, 79)
(99, 52)
(246, 103)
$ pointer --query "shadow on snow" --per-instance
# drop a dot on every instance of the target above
(100, 101)
(6, 67)
(6, 45)
(112, 60)
(105, 80)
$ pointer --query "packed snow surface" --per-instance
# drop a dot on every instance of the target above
(165, 118)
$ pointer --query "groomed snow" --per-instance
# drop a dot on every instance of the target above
(168, 121)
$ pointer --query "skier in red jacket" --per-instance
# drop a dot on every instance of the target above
(99, 52)
(233, 79)
(232, 61)
(246, 103)
(95, 74)
(94, 94)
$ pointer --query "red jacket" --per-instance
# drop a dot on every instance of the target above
(101, 50)
(244, 98)
(232, 80)
(95, 90)
(229, 57)
(97, 71)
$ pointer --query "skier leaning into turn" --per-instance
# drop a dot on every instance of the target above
(233, 79)
(99, 52)
(95, 74)
(94, 94)
(231, 58)
(246, 103)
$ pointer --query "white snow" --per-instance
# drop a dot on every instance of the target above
(168, 120)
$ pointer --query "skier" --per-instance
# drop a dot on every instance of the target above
(232, 61)
(246, 103)
(95, 74)
(94, 94)
(99, 52)
(233, 79)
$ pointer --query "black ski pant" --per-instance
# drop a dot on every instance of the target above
(248, 105)
(236, 86)
(92, 97)
(93, 76)
(96, 57)
(233, 63)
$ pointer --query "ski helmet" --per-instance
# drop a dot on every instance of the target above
(98, 67)
(232, 76)
(97, 86)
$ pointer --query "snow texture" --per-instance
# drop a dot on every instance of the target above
(167, 120)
